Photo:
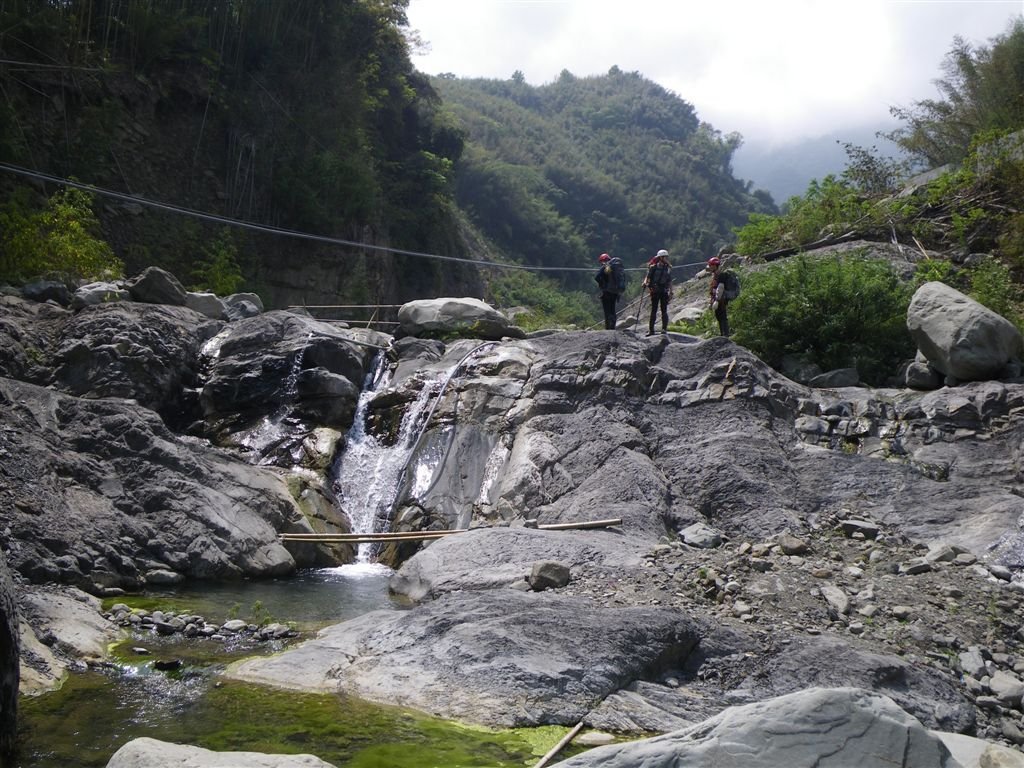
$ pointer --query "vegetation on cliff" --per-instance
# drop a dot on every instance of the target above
(303, 115)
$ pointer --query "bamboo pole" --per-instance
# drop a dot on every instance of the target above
(560, 745)
(384, 536)
(585, 524)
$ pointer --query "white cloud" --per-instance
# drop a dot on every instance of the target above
(774, 70)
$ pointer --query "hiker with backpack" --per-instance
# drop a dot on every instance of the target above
(725, 286)
(659, 284)
(611, 279)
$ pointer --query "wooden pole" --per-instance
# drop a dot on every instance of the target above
(361, 538)
(560, 745)
(384, 537)
(585, 524)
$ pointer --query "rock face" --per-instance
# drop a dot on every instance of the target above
(820, 727)
(494, 657)
(144, 499)
(961, 338)
(465, 317)
(771, 537)
(10, 648)
(145, 352)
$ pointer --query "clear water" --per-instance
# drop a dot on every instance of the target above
(97, 712)
(310, 599)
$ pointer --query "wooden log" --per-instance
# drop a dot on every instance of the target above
(560, 745)
(585, 524)
(383, 536)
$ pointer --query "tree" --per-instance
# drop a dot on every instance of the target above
(61, 240)
(983, 90)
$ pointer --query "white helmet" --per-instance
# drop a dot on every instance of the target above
(662, 252)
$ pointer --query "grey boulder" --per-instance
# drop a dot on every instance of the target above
(457, 317)
(960, 337)
(150, 753)
(820, 727)
(157, 286)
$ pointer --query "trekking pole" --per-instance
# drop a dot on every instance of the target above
(638, 305)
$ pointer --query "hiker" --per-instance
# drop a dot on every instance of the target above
(724, 288)
(611, 279)
(659, 284)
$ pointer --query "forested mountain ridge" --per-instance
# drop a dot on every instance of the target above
(590, 164)
(310, 117)
(304, 115)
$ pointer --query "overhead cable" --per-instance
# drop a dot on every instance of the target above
(227, 221)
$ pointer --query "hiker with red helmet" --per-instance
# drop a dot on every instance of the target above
(611, 279)
(724, 288)
(659, 284)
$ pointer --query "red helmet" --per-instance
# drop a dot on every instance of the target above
(604, 257)
(714, 261)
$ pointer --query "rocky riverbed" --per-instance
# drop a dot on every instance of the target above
(774, 538)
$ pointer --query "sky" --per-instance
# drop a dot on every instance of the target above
(775, 71)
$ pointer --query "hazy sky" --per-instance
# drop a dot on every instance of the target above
(773, 70)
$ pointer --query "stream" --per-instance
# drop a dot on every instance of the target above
(98, 711)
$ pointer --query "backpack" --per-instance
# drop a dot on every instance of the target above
(618, 276)
(732, 285)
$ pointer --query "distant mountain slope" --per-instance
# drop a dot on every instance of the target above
(785, 171)
(556, 174)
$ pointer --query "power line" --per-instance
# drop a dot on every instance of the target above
(269, 229)
(216, 218)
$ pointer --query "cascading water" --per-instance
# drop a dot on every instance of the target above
(370, 476)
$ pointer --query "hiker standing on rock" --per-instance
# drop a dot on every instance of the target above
(659, 284)
(611, 279)
(725, 287)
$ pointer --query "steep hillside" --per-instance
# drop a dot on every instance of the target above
(304, 116)
(559, 173)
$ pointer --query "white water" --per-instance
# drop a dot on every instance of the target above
(369, 476)
(368, 473)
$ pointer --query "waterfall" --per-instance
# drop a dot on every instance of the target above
(369, 476)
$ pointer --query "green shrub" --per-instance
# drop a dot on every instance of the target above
(61, 240)
(992, 286)
(217, 269)
(838, 312)
(828, 207)
(547, 305)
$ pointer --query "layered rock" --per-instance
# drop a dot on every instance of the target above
(142, 499)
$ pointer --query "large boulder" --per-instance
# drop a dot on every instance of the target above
(143, 352)
(122, 499)
(276, 377)
(959, 337)
(151, 753)
(454, 317)
(9, 663)
(157, 286)
(829, 728)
